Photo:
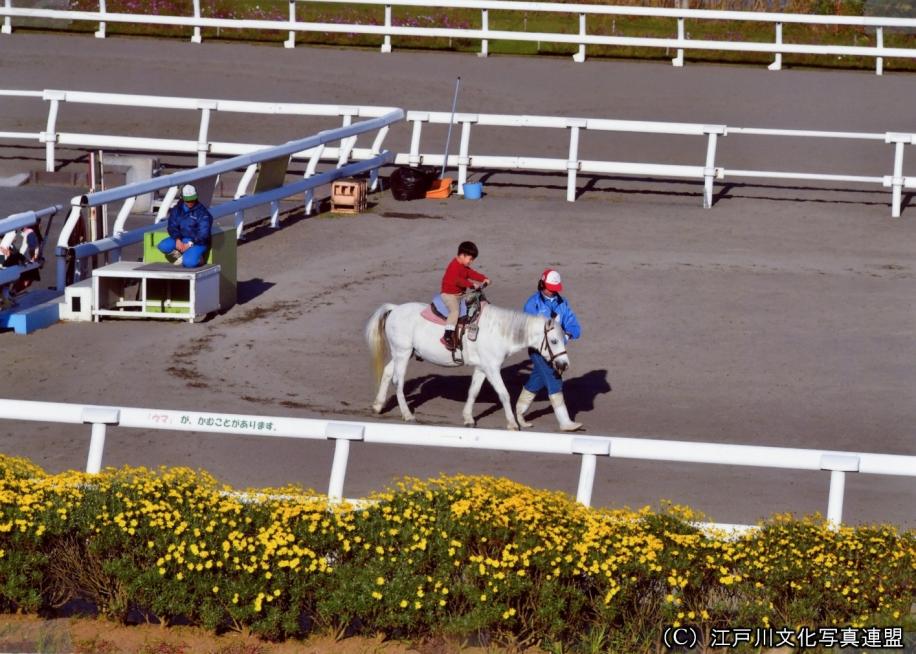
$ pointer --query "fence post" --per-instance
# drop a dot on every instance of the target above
(61, 251)
(417, 118)
(895, 181)
(290, 42)
(195, 38)
(100, 33)
(377, 150)
(463, 158)
(484, 27)
(777, 62)
(679, 59)
(572, 162)
(879, 43)
(309, 171)
(203, 146)
(99, 418)
(579, 57)
(342, 433)
(240, 191)
(386, 45)
(590, 449)
(7, 21)
(50, 134)
(838, 465)
(709, 171)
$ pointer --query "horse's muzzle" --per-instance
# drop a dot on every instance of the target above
(560, 366)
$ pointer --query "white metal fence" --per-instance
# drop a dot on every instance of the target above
(10, 274)
(276, 156)
(708, 171)
(589, 448)
(583, 38)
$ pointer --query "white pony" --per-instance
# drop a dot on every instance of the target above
(501, 334)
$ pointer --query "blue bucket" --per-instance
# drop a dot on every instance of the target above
(473, 191)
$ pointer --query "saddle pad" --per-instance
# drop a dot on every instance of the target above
(441, 308)
(428, 314)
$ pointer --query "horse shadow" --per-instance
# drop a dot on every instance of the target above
(580, 392)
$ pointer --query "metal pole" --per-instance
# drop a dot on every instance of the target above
(386, 44)
(835, 501)
(586, 479)
(777, 61)
(96, 447)
(99, 418)
(7, 21)
(100, 33)
(709, 172)
(679, 59)
(897, 182)
(291, 41)
(196, 37)
(338, 470)
(451, 120)
(343, 433)
(879, 43)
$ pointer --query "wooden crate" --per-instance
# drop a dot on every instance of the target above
(348, 195)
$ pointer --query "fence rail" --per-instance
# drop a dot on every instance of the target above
(311, 147)
(343, 433)
(583, 38)
(707, 171)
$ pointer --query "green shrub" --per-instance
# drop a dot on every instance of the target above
(454, 556)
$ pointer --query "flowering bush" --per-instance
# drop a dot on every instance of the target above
(451, 556)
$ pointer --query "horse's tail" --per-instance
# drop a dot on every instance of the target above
(375, 329)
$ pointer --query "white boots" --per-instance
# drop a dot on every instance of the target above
(525, 399)
(559, 408)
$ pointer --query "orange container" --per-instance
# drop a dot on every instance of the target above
(439, 189)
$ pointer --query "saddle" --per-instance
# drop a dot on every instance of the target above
(471, 306)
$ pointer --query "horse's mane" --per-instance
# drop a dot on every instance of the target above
(511, 324)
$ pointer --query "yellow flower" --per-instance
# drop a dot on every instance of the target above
(404, 604)
(216, 589)
(380, 581)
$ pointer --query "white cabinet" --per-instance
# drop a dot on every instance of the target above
(132, 289)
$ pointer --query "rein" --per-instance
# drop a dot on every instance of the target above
(546, 343)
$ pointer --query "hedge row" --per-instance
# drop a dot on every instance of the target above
(454, 556)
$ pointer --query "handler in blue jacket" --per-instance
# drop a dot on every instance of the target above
(189, 229)
(547, 301)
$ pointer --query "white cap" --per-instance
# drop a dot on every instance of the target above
(188, 192)
(552, 280)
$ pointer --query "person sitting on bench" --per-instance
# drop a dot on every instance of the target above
(189, 227)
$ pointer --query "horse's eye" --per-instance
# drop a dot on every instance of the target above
(553, 341)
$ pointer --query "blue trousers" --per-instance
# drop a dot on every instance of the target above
(194, 256)
(543, 375)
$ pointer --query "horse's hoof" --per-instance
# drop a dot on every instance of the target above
(410, 418)
(376, 408)
(512, 426)
(524, 423)
(470, 423)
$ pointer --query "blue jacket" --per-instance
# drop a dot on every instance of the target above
(540, 305)
(190, 224)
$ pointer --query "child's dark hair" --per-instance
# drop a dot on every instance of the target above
(468, 247)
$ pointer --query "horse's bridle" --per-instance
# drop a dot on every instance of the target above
(546, 342)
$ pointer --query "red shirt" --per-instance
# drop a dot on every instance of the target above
(457, 277)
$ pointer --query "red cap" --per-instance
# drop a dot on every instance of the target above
(551, 280)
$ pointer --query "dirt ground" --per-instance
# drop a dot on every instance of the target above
(782, 316)
(98, 636)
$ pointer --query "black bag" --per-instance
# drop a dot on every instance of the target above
(409, 183)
